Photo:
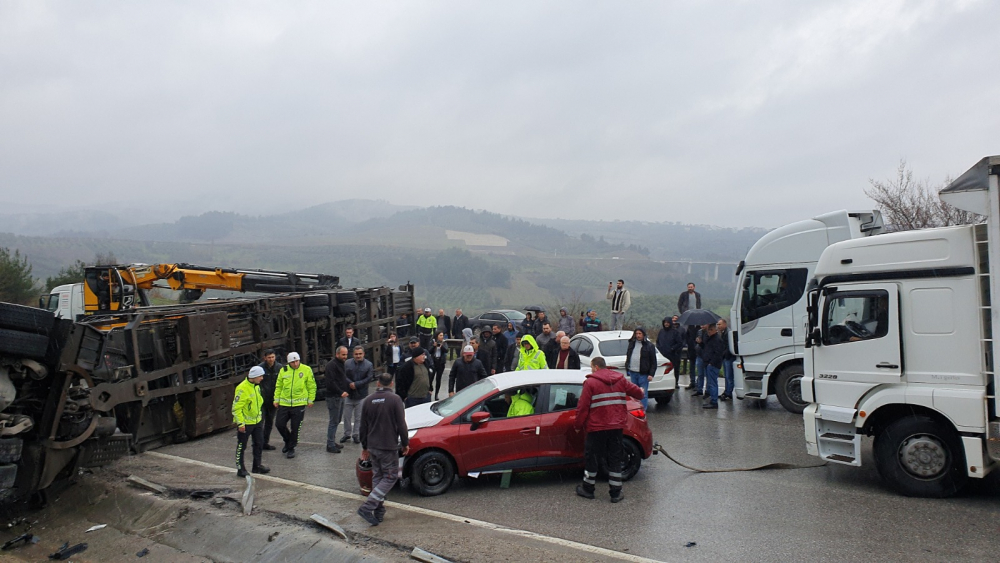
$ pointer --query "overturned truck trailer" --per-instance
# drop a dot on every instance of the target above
(79, 394)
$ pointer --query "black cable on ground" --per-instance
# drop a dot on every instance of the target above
(662, 450)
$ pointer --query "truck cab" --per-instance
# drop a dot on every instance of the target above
(65, 301)
(900, 348)
(769, 309)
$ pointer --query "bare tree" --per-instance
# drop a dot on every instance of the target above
(909, 204)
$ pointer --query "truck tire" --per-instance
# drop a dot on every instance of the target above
(10, 449)
(347, 297)
(918, 456)
(316, 313)
(8, 473)
(25, 319)
(316, 300)
(788, 388)
(345, 309)
(23, 344)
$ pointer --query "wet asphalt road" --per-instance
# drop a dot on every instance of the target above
(828, 513)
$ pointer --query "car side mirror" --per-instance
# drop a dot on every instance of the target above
(479, 419)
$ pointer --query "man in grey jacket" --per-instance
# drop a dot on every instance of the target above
(360, 373)
(566, 322)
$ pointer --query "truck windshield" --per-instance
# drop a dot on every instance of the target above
(53, 302)
(765, 292)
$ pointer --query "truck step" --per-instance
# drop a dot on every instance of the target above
(840, 458)
(836, 436)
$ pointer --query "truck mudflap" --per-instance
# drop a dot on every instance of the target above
(831, 434)
(993, 441)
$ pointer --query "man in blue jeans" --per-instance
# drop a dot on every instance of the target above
(713, 349)
(727, 361)
(640, 362)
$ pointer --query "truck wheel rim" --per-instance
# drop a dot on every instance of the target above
(923, 456)
(793, 390)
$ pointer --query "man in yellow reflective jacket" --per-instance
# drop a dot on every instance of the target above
(294, 391)
(426, 327)
(247, 404)
(531, 356)
(521, 404)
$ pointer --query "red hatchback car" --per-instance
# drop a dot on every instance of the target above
(472, 434)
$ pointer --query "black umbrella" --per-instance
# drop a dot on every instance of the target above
(698, 317)
(535, 308)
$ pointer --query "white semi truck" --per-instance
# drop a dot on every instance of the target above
(901, 347)
(770, 305)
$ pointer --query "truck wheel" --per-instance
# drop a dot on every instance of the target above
(345, 309)
(920, 457)
(23, 344)
(25, 319)
(788, 388)
(347, 297)
(315, 300)
(432, 473)
(316, 313)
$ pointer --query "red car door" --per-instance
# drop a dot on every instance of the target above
(501, 443)
(558, 443)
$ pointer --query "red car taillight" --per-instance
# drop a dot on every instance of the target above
(669, 366)
(638, 413)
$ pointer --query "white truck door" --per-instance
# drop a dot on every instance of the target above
(860, 336)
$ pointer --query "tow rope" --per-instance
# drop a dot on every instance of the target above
(657, 448)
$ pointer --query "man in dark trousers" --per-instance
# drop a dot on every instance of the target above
(566, 357)
(487, 344)
(465, 371)
(714, 350)
(383, 433)
(688, 300)
(444, 323)
(501, 346)
(458, 323)
(360, 373)
(293, 393)
(337, 389)
(670, 342)
(271, 367)
(247, 404)
(640, 362)
(603, 412)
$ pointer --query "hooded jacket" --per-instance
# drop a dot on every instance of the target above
(532, 358)
(670, 341)
(521, 404)
(566, 324)
(603, 402)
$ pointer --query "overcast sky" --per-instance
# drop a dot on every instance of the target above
(728, 113)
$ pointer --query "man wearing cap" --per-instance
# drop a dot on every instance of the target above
(412, 345)
(465, 371)
(247, 403)
(413, 383)
(294, 391)
(426, 327)
(271, 367)
(531, 356)
(566, 323)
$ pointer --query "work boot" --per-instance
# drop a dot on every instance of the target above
(583, 492)
(262, 469)
(344, 439)
(368, 516)
(284, 449)
(697, 394)
(357, 440)
(379, 513)
(269, 447)
(333, 450)
(619, 498)
(710, 406)
(290, 453)
(241, 472)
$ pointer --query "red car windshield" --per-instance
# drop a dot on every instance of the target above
(463, 398)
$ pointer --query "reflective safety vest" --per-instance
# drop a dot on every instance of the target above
(427, 325)
(247, 403)
(520, 405)
(295, 387)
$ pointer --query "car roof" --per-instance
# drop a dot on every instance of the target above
(539, 377)
(603, 335)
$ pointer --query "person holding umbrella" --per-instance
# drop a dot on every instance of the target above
(693, 319)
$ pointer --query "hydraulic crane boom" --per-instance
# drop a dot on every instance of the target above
(118, 288)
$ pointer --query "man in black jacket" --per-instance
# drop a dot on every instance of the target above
(640, 362)
(413, 381)
(337, 389)
(383, 433)
(566, 357)
(458, 323)
(271, 367)
(669, 342)
(727, 360)
(444, 323)
(465, 371)
(490, 346)
(713, 350)
(349, 341)
(688, 300)
(483, 355)
(501, 345)
(551, 348)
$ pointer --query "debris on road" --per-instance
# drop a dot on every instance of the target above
(143, 553)
(426, 556)
(199, 495)
(690, 544)
(23, 539)
(65, 552)
(95, 528)
(247, 499)
(147, 484)
(328, 525)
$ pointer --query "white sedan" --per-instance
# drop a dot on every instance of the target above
(612, 346)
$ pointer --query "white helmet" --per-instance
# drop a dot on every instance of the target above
(293, 357)
(255, 371)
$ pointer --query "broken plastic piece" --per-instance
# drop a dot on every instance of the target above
(143, 553)
(426, 556)
(95, 528)
(690, 544)
(24, 538)
(66, 552)
(328, 525)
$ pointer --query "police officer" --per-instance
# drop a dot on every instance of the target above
(426, 327)
(247, 405)
(294, 391)
(603, 412)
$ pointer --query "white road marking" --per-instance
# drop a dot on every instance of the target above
(426, 512)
